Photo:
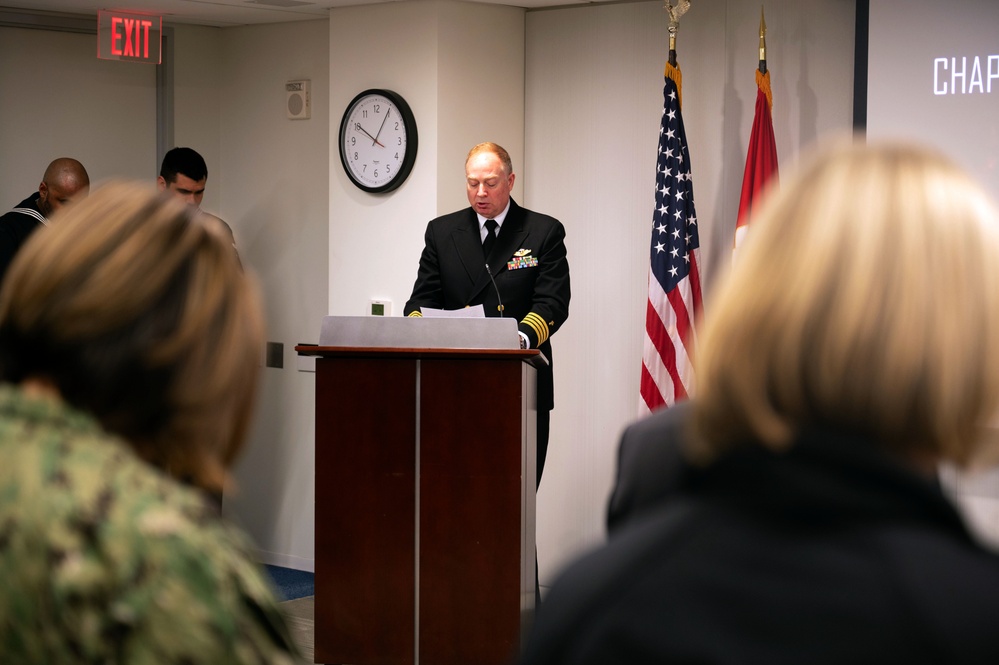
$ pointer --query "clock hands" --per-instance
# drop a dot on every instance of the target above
(380, 128)
(374, 138)
(370, 136)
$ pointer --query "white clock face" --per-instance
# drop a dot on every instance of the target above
(376, 141)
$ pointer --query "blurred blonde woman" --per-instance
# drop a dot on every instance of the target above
(853, 348)
(128, 344)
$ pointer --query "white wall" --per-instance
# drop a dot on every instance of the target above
(197, 53)
(58, 100)
(273, 180)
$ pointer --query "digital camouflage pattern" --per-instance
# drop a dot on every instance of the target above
(104, 559)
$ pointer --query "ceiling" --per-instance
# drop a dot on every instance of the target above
(225, 13)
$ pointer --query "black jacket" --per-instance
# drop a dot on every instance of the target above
(15, 227)
(650, 464)
(829, 553)
(528, 264)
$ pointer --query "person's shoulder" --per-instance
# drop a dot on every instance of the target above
(22, 219)
(215, 219)
(949, 586)
(452, 218)
(665, 420)
(602, 585)
(171, 547)
(536, 223)
(16, 226)
(650, 464)
(937, 564)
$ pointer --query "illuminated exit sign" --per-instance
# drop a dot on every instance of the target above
(125, 36)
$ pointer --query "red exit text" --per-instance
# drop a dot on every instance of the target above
(123, 36)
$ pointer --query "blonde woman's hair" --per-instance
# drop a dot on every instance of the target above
(866, 301)
(134, 306)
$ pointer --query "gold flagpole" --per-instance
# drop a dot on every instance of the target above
(763, 43)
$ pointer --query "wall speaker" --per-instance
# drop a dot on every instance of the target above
(299, 100)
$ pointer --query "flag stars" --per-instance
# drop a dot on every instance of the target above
(660, 247)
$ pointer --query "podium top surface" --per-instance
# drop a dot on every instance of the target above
(531, 356)
(419, 332)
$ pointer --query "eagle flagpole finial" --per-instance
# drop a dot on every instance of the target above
(675, 11)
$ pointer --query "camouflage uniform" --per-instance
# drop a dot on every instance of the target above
(104, 559)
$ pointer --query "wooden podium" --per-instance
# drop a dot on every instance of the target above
(425, 500)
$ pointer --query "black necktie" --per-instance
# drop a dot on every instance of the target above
(487, 244)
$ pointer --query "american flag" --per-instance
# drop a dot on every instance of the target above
(674, 284)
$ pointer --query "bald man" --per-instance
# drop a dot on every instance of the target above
(64, 179)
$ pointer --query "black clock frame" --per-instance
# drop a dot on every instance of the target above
(412, 140)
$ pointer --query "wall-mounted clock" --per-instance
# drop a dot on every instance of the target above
(378, 140)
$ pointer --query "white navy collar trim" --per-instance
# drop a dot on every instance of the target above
(32, 213)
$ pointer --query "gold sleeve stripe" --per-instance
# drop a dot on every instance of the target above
(539, 325)
(416, 312)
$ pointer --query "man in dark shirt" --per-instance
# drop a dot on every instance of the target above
(64, 179)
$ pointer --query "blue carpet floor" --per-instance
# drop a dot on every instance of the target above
(292, 584)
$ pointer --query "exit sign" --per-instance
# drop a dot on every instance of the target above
(128, 36)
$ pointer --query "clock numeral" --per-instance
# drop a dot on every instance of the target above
(364, 114)
(400, 140)
(397, 126)
(375, 174)
(378, 108)
(353, 141)
(355, 155)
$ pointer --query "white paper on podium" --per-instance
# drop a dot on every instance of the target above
(472, 312)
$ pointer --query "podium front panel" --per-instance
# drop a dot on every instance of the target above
(470, 559)
(365, 510)
(425, 500)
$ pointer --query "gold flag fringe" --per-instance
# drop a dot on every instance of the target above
(763, 82)
(674, 73)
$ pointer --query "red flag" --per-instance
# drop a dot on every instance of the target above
(674, 302)
(761, 160)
